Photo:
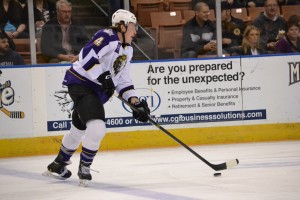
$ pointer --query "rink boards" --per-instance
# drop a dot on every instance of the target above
(201, 101)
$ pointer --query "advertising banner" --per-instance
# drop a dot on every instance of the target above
(196, 92)
(59, 103)
(272, 83)
(180, 94)
(15, 103)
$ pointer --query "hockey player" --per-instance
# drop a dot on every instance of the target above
(102, 68)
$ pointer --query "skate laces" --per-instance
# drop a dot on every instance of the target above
(87, 169)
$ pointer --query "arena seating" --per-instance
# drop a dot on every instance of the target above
(23, 48)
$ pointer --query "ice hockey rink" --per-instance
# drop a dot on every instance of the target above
(266, 171)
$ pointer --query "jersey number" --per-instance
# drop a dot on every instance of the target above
(98, 41)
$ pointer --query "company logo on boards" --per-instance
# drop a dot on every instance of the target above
(64, 101)
(7, 98)
(153, 99)
(294, 68)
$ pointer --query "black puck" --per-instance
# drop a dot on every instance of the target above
(217, 174)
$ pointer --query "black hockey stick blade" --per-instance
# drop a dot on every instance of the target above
(217, 167)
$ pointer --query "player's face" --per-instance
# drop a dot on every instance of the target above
(64, 14)
(130, 33)
(4, 46)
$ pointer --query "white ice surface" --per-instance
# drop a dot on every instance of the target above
(266, 171)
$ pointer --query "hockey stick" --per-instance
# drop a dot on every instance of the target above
(217, 167)
(13, 114)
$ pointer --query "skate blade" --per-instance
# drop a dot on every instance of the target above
(52, 175)
(83, 182)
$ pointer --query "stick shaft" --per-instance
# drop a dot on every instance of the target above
(179, 141)
(215, 167)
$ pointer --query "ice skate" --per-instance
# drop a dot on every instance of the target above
(57, 169)
(84, 174)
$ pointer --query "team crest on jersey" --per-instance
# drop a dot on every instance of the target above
(119, 64)
(109, 32)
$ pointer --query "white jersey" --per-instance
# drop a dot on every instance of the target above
(104, 52)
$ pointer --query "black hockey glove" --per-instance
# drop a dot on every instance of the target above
(108, 85)
(143, 111)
